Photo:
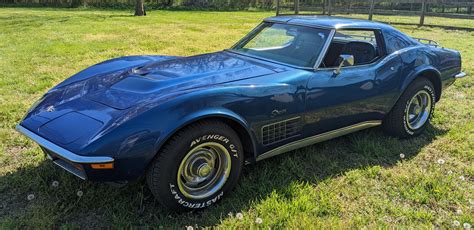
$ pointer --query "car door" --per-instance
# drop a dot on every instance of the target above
(353, 96)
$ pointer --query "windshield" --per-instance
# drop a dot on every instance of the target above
(291, 44)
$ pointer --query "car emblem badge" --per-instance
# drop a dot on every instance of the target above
(50, 108)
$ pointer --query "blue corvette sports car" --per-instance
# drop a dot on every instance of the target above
(189, 124)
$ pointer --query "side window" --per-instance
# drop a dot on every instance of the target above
(362, 44)
(356, 35)
(394, 43)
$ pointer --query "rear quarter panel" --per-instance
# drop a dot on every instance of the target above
(448, 62)
(441, 62)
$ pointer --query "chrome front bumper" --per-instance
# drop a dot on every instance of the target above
(460, 75)
(64, 158)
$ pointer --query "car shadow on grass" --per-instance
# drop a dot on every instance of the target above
(133, 205)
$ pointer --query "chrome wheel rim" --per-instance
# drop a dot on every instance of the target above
(204, 170)
(419, 109)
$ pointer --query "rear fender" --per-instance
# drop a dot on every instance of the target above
(424, 71)
(418, 72)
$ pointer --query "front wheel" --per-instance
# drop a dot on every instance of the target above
(196, 167)
(413, 111)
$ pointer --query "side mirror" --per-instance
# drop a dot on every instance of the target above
(344, 60)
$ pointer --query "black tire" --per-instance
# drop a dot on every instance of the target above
(162, 175)
(396, 122)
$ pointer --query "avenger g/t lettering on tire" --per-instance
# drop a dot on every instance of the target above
(200, 164)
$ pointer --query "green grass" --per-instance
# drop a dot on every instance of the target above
(351, 182)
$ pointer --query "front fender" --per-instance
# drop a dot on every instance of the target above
(216, 112)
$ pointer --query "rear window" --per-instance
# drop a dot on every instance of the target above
(394, 42)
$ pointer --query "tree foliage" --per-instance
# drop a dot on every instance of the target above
(192, 4)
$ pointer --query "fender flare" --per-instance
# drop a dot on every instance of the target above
(420, 71)
(209, 113)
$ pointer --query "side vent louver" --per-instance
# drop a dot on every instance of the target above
(281, 130)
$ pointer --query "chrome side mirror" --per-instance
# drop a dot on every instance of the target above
(344, 60)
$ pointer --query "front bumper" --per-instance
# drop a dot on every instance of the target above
(460, 75)
(71, 162)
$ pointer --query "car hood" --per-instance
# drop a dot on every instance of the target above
(144, 83)
(104, 95)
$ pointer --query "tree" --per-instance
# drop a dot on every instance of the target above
(139, 8)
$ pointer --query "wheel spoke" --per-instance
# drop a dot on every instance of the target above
(418, 100)
(418, 109)
(204, 170)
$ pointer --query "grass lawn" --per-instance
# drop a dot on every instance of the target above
(355, 181)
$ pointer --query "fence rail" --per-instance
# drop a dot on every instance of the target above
(462, 9)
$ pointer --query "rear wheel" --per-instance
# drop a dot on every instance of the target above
(197, 166)
(412, 113)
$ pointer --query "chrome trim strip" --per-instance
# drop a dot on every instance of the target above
(460, 75)
(64, 153)
(324, 50)
(70, 169)
(318, 138)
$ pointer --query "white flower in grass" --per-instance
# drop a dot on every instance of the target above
(55, 183)
(456, 223)
(189, 228)
(441, 161)
(466, 226)
(30, 197)
(402, 156)
(258, 220)
(459, 95)
(450, 172)
(459, 212)
(471, 202)
(462, 178)
(239, 216)
(79, 193)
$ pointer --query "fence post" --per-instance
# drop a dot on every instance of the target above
(277, 7)
(423, 10)
(329, 8)
(371, 9)
(297, 6)
(324, 7)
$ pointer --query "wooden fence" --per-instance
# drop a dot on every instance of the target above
(422, 8)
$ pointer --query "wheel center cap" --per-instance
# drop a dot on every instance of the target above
(204, 170)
